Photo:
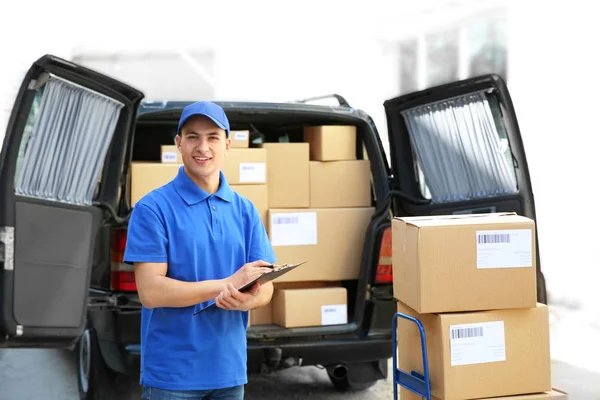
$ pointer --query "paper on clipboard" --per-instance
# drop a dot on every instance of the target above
(276, 272)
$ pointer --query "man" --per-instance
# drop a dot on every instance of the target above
(193, 241)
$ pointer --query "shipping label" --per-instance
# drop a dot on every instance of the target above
(240, 135)
(334, 314)
(169, 157)
(253, 173)
(294, 229)
(504, 248)
(477, 343)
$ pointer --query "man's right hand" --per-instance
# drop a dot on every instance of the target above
(248, 273)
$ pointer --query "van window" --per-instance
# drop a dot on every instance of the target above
(67, 135)
(461, 149)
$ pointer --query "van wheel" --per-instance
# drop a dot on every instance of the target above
(356, 377)
(94, 380)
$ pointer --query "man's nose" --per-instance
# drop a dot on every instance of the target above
(203, 144)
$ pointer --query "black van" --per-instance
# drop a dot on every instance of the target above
(65, 171)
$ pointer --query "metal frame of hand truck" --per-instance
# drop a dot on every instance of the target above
(415, 382)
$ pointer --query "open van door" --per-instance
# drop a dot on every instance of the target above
(63, 154)
(456, 149)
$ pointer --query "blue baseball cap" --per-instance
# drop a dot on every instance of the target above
(207, 109)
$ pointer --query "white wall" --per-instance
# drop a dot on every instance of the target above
(553, 67)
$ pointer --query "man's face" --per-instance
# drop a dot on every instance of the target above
(203, 146)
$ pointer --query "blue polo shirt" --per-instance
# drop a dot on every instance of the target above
(201, 236)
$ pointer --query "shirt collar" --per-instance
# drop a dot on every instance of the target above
(192, 194)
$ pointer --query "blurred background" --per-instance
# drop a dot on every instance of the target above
(367, 52)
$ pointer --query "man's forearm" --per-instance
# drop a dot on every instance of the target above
(263, 297)
(168, 292)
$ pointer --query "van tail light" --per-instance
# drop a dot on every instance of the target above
(122, 277)
(383, 273)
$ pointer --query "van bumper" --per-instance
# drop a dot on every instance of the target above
(265, 357)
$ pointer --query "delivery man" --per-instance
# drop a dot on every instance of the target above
(193, 241)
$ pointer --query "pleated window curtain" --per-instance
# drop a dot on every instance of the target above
(63, 149)
(459, 150)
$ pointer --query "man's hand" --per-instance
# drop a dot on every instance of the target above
(232, 299)
(247, 273)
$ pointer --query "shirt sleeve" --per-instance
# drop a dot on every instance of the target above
(146, 237)
(260, 246)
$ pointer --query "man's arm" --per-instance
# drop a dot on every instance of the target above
(157, 290)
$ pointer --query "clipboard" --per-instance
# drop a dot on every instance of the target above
(276, 272)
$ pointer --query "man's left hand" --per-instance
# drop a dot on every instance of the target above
(232, 299)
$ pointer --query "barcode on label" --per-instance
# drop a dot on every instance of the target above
(494, 238)
(462, 333)
(285, 220)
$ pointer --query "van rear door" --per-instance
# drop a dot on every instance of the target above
(456, 149)
(62, 156)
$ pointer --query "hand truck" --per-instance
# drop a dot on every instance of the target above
(415, 382)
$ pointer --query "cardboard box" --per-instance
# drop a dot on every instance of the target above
(258, 195)
(340, 184)
(288, 174)
(331, 142)
(293, 308)
(330, 239)
(464, 263)
(239, 139)
(245, 166)
(146, 177)
(554, 394)
(261, 316)
(479, 354)
(170, 154)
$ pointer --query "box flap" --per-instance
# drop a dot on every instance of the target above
(463, 219)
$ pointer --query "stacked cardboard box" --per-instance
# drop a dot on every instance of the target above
(315, 200)
(471, 281)
(319, 209)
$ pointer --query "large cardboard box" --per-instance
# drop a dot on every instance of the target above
(330, 239)
(288, 174)
(245, 166)
(170, 154)
(464, 263)
(258, 195)
(239, 139)
(146, 177)
(293, 308)
(479, 354)
(340, 184)
(554, 394)
(331, 142)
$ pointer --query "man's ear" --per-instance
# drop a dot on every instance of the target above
(178, 142)
(227, 144)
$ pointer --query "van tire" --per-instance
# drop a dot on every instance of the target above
(94, 380)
